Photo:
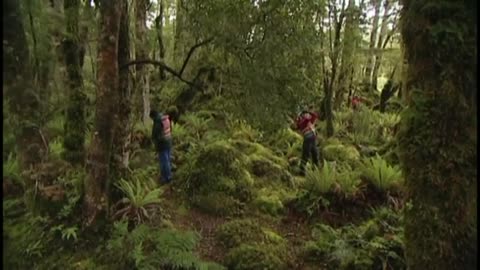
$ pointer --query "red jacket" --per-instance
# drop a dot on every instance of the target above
(306, 123)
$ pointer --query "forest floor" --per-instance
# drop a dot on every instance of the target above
(292, 226)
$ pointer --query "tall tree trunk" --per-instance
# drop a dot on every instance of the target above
(141, 52)
(123, 126)
(75, 125)
(371, 47)
(335, 51)
(348, 51)
(159, 30)
(179, 37)
(100, 150)
(438, 137)
(18, 85)
(380, 44)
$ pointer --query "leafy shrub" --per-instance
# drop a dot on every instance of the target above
(254, 257)
(152, 248)
(380, 174)
(139, 202)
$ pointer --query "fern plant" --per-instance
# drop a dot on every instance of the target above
(348, 181)
(242, 130)
(152, 248)
(11, 169)
(139, 202)
(197, 125)
(380, 174)
(320, 180)
(55, 148)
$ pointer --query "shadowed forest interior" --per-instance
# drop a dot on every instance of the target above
(240, 134)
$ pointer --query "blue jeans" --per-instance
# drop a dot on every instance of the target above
(165, 159)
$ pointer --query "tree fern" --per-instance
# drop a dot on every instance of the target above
(139, 202)
(320, 180)
(380, 174)
(153, 248)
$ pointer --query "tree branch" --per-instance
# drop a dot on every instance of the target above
(167, 68)
(185, 62)
(157, 63)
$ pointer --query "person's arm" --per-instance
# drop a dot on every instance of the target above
(156, 129)
(314, 118)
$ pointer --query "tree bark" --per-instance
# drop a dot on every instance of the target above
(334, 60)
(348, 52)
(373, 40)
(381, 44)
(141, 52)
(438, 135)
(124, 124)
(75, 124)
(99, 155)
(179, 37)
(18, 86)
(161, 46)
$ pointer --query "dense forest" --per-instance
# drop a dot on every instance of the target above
(386, 90)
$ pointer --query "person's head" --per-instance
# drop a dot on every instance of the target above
(153, 114)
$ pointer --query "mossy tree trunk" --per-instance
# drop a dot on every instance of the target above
(382, 42)
(123, 126)
(348, 51)
(373, 40)
(141, 52)
(438, 134)
(75, 125)
(161, 46)
(334, 56)
(18, 86)
(99, 153)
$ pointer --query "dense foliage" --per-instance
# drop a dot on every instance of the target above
(395, 186)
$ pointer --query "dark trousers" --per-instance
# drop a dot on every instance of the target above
(309, 149)
(165, 160)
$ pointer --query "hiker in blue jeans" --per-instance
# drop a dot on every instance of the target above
(162, 139)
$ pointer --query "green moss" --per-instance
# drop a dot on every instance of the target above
(270, 204)
(237, 232)
(262, 167)
(340, 152)
(254, 257)
(217, 203)
(272, 201)
(218, 171)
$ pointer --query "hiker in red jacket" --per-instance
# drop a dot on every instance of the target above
(305, 124)
(356, 102)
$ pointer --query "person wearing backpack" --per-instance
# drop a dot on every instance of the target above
(305, 124)
(162, 139)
